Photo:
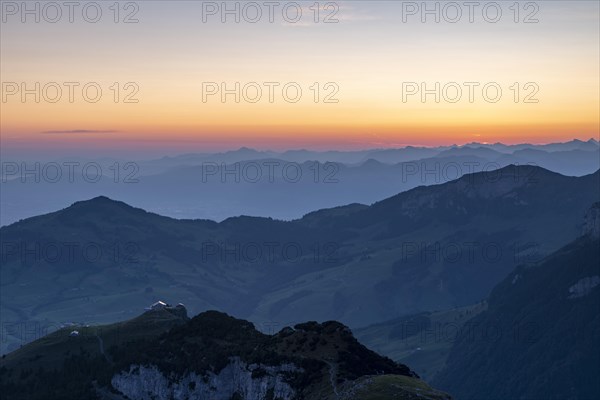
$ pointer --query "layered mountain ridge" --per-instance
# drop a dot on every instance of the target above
(429, 248)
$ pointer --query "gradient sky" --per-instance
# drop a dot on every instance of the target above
(368, 54)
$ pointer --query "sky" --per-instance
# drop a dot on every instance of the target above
(150, 76)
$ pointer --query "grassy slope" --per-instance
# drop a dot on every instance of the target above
(388, 387)
(422, 341)
(50, 351)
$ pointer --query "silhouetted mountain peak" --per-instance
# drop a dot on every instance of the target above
(505, 180)
(100, 202)
(474, 149)
(517, 173)
(99, 209)
(246, 149)
(372, 163)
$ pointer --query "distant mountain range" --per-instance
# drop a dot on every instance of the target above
(281, 185)
(388, 156)
(430, 248)
(163, 355)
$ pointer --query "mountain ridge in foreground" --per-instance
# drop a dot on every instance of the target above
(545, 322)
(162, 354)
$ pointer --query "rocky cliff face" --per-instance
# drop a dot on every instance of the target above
(254, 381)
(591, 223)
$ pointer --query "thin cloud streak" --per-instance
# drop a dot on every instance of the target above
(76, 131)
